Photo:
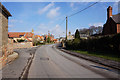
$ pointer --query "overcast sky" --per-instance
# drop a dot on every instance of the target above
(44, 16)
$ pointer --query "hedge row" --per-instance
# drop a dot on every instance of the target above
(107, 43)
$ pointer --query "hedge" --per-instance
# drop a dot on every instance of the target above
(106, 43)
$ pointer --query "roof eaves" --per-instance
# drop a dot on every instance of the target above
(5, 10)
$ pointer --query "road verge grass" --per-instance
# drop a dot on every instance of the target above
(109, 56)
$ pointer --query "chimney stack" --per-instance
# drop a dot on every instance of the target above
(109, 12)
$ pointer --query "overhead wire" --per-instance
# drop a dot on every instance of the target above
(79, 11)
(84, 9)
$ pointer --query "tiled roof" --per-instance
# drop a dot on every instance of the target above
(19, 34)
(29, 35)
(36, 36)
(27, 39)
(4, 10)
(116, 18)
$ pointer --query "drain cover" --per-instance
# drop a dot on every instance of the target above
(44, 58)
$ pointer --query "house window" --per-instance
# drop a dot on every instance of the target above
(21, 35)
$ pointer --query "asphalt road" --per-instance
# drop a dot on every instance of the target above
(49, 62)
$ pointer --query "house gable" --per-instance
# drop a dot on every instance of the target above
(110, 27)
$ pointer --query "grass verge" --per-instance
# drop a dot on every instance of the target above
(114, 57)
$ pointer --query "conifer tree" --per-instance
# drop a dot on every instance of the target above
(77, 35)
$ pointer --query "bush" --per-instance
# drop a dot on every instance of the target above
(83, 45)
(116, 42)
(107, 43)
(38, 43)
(76, 43)
(69, 44)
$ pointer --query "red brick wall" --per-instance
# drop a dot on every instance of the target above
(110, 27)
(109, 12)
(118, 28)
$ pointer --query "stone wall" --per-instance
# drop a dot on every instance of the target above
(0, 34)
(10, 46)
(3, 29)
(22, 45)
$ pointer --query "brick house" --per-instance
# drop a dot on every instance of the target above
(112, 25)
(4, 14)
(39, 38)
(21, 35)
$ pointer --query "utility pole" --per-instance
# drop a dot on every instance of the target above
(66, 26)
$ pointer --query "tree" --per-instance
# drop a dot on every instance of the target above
(77, 34)
(48, 39)
(99, 29)
(95, 30)
(92, 30)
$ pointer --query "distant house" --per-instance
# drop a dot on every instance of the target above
(84, 36)
(84, 33)
(70, 37)
(112, 25)
(55, 40)
(48, 36)
(39, 38)
(62, 39)
(4, 14)
(21, 35)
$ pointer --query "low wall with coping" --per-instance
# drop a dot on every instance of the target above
(22, 45)
(7, 51)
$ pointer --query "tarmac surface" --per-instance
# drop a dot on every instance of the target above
(49, 62)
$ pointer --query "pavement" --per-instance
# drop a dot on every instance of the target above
(8, 59)
(50, 62)
(15, 68)
(12, 57)
(106, 62)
